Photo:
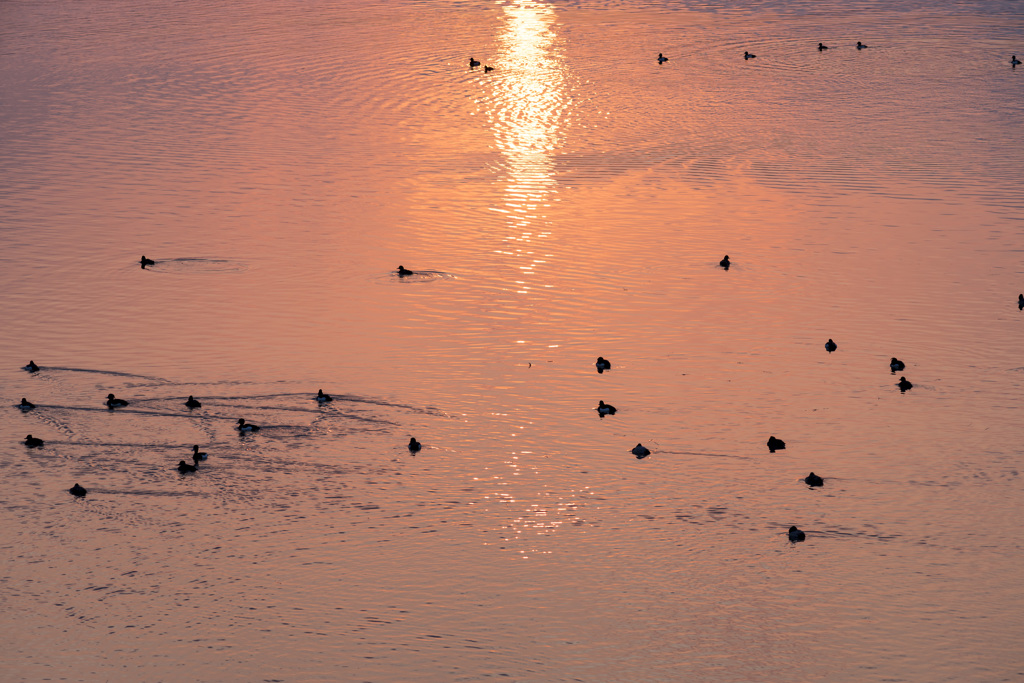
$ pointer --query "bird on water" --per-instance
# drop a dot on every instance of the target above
(830, 346)
(747, 55)
(1020, 302)
(403, 271)
(776, 444)
(197, 455)
(32, 367)
(115, 402)
(822, 47)
(488, 69)
(903, 384)
(1014, 61)
(243, 427)
(414, 445)
(662, 58)
(813, 479)
(473, 63)
(321, 397)
(192, 402)
(796, 535)
(640, 451)
(33, 442)
(603, 364)
(26, 405)
(77, 490)
(725, 262)
(896, 365)
(605, 409)
(146, 262)
(860, 45)
(184, 467)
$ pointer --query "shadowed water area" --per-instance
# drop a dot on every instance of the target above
(279, 160)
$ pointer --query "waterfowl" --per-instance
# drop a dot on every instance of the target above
(321, 397)
(796, 535)
(860, 45)
(903, 384)
(725, 262)
(662, 58)
(184, 467)
(32, 367)
(26, 405)
(403, 271)
(414, 445)
(813, 479)
(33, 442)
(830, 346)
(114, 402)
(896, 365)
(197, 455)
(605, 409)
(192, 402)
(776, 444)
(747, 55)
(146, 262)
(1020, 302)
(1014, 61)
(640, 451)
(242, 427)
(77, 490)
(822, 47)
(473, 63)
(603, 364)
(488, 69)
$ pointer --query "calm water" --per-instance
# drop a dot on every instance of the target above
(280, 159)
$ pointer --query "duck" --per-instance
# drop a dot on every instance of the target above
(77, 490)
(605, 409)
(662, 58)
(192, 402)
(1020, 302)
(473, 63)
(822, 47)
(184, 467)
(26, 405)
(725, 262)
(33, 442)
(860, 45)
(776, 444)
(830, 346)
(747, 55)
(1014, 61)
(640, 451)
(813, 479)
(146, 262)
(321, 397)
(31, 367)
(488, 69)
(896, 365)
(414, 445)
(403, 271)
(603, 364)
(114, 402)
(197, 455)
(242, 427)
(903, 384)
(796, 535)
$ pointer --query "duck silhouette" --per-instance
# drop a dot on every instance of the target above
(725, 262)
(1020, 302)
(1014, 61)
(243, 427)
(197, 455)
(775, 444)
(860, 45)
(414, 445)
(662, 58)
(403, 271)
(603, 364)
(32, 367)
(747, 55)
(184, 467)
(896, 365)
(813, 479)
(33, 442)
(115, 402)
(796, 535)
(822, 47)
(488, 69)
(321, 397)
(830, 346)
(473, 63)
(605, 409)
(640, 451)
(146, 262)
(903, 384)
(77, 490)
(192, 402)
(26, 405)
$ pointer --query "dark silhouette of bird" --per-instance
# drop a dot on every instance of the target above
(822, 47)
(77, 490)
(896, 365)
(725, 262)
(830, 346)
(192, 402)
(33, 442)
(903, 384)
(640, 451)
(860, 45)
(403, 271)
(243, 427)
(114, 402)
(1014, 61)
(31, 367)
(488, 69)
(603, 364)
(184, 467)
(473, 63)
(197, 455)
(414, 445)
(747, 55)
(775, 444)
(796, 535)
(146, 262)
(321, 397)
(1020, 302)
(662, 58)
(813, 479)
(605, 409)
(26, 405)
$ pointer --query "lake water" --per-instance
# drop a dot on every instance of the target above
(279, 160)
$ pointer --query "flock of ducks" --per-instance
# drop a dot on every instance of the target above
(749, 55)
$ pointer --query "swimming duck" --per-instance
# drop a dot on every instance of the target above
(33, 442)
(603, 364)
(114, 402)
(1020, 302)
(796, 535)
(403, 271)
(184, 467)
(640, 451)
(776, 444)
(860, 45)
(896, 365)
(473, 63)
(146, 262)
(414, 445)
(488, 69)
(747, 55)
(830, 346)
(1014, 61)
(822, 47)
(31, 367)
(26, 405)
(604, 409)
(725, 262)
(242, 427)
(197, 455)
(903, 384)
(321, 397)
(77, 490)
(662, 58)
(813, 479)
(192, 402)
